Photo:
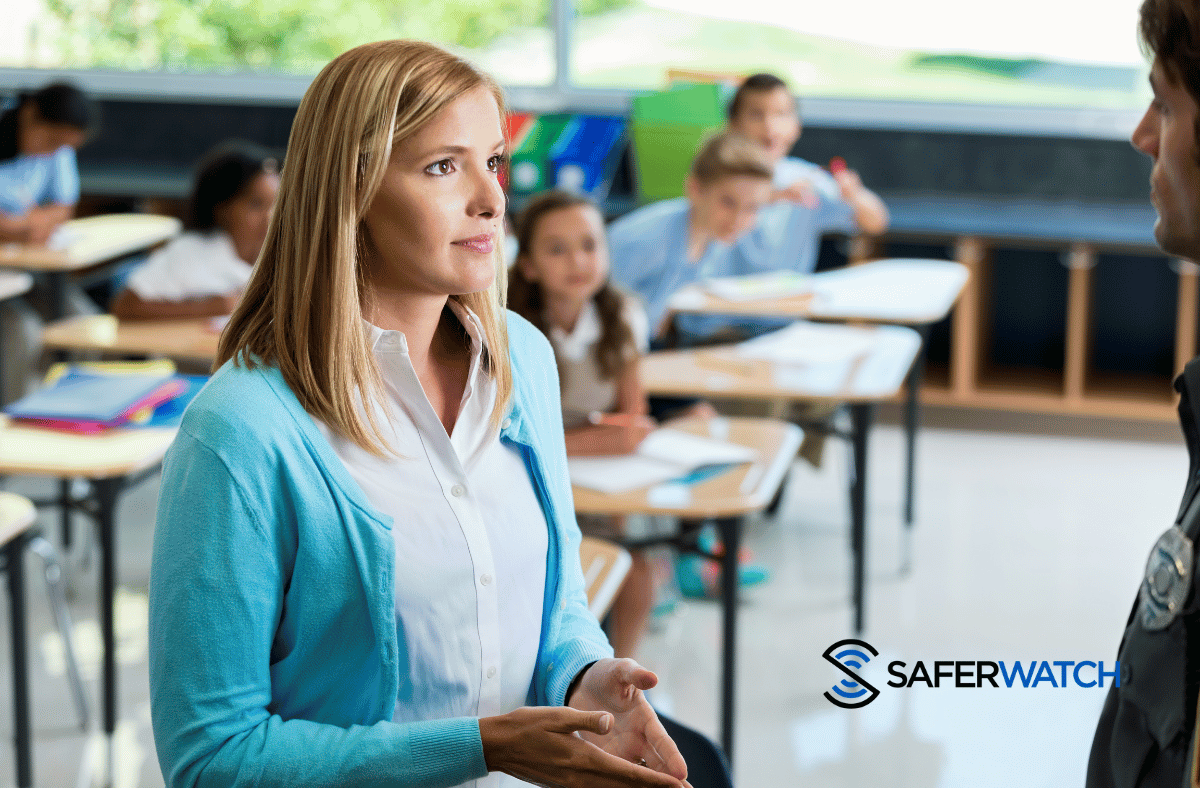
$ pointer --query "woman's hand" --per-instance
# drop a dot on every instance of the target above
(615, 686)
(543, 745)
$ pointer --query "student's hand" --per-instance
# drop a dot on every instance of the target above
(848, 183)
(801, 191)
(41, 225)
(631, 436)
(544, 746)
(616, 686)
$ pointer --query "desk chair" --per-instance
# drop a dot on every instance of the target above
(52, 573)
(707, 766)
(17, 534)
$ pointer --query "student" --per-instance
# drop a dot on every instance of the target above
(366, 563)
(658, 249)
(39, 187)
(39, 178)
(1149, 715)
(203, 271)
(808, 201)
(560, 284)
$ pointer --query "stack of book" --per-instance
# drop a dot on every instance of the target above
(92, 398)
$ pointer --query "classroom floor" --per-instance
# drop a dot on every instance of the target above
(1026, 547)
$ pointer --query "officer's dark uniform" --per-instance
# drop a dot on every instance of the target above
(1144, 734)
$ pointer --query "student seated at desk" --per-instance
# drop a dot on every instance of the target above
(39, 178)
(559, 283)
(203, 271)
(808, 201)
(658, 249)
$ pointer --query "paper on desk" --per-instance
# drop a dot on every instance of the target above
(776, 284)
(665, 454)
(809, 343)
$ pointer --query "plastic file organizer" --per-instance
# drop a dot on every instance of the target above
(587, 153)
(668, 128)
(531, 159)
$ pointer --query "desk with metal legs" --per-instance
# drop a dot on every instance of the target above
(111, 462)
(904, 292)
(727, 499)
(858, 383)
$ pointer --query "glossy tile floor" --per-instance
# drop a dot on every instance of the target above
(1025, 548)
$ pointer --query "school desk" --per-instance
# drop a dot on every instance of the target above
(16, 516)
(111, 462)
(908, 292)
(859, 383)
(726, 498)
(86, 243)
(604, 565)
(186, 339)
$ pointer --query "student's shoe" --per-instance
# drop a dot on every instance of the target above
(700, 578)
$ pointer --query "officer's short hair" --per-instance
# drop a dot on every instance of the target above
(1170, 32)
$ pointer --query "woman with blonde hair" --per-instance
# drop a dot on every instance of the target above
(365, 564)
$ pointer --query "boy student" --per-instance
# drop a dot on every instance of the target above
(660, 248)
(1149, 717)
(807, 201)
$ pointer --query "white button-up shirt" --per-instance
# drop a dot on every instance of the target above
(471, 542)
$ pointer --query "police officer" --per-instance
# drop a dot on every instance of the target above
(1145, 730)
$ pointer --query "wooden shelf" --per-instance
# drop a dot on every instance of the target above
(972, 378)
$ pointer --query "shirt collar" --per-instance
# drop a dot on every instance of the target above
(382, 340)
(574, 345)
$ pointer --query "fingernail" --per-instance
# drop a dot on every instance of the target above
(606, 723)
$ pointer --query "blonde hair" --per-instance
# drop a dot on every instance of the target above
(303, 306)
(729, 154)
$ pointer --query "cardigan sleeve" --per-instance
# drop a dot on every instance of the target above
(573, 638)
(218, 575)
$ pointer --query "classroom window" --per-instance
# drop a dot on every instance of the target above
(510, 38)
(1049, 52)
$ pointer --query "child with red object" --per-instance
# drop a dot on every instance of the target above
(808, 200)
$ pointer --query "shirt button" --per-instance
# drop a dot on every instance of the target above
(486, 580)
(507, 423)
(458, 491)
(492, 672)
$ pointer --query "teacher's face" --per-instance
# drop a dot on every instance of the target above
(434, 225)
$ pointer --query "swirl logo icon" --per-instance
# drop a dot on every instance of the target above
(852, 692)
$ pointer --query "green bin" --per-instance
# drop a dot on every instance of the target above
(668, 128)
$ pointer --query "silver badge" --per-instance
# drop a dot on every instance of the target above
(1168, 578)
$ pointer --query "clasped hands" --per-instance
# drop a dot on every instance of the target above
(606, 735)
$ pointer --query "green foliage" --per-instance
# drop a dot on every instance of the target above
(279, 35)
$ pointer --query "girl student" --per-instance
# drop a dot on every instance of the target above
(365, 567)
(39, 187)
(559, 283)
(202, 272)
(39, 177)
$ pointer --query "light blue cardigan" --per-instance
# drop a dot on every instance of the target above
(273, 647)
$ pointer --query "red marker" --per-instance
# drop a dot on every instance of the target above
(837, 165)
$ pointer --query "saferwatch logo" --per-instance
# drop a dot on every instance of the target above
(850, 655)
(853, 692)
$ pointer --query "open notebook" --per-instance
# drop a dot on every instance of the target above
(664, 455)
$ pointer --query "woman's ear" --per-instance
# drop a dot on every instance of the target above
(691, 188)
